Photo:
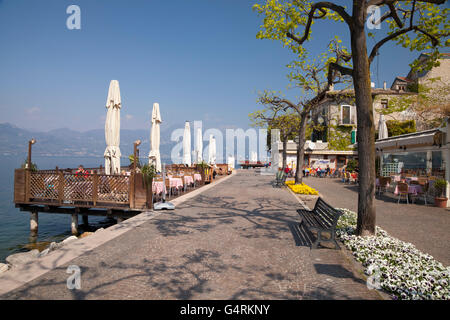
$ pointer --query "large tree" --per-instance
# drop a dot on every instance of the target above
(417, 25)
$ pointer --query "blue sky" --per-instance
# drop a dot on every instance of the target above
(199, 59)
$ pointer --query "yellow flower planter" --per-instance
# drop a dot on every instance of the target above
(301, 188)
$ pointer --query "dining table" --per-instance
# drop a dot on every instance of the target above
(413, 189)
(158, 187)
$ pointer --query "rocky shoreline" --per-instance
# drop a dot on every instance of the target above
(19, 259)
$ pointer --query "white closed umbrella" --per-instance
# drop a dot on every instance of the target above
(112, 129)
(154, 157)
(382, 128)
(254, 157)
(212, 150)
(199, 146)
(231, 162)
(187, 144)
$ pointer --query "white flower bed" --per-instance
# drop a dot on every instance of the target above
(404, 271)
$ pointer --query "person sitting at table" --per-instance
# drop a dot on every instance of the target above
(81, 172)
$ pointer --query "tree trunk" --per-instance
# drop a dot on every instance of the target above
(365, 126)
(284, 152)
(300, 149)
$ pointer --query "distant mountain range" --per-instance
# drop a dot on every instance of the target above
(67, 142)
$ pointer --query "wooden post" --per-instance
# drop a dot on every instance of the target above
(134, 157)
(60, 187)
(95, 188)
(27, 185)
(131, 188)
(29, 155)
(34, 223)
(74, 224)
(149, 194)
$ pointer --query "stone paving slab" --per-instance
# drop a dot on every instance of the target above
(426, 226)
(238, 240)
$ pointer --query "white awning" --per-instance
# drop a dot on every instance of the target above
(424, 138)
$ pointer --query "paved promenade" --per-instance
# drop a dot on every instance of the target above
(237, 240)
(427, 227)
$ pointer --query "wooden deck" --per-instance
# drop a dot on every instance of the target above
(95, 193)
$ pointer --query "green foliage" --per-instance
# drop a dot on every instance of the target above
(203, 165)
(339, 137)
(33, 166)
(439, 186)
(131, 158)
(148, 172)
(396, 127)
(351, 165)
(430, 103)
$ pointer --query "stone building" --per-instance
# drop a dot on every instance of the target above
(337, 121)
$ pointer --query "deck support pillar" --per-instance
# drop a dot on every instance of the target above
(34, 223)
(85, 220)
(74, 224)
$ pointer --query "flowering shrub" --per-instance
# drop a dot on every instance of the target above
(301, 188)
(403, 270)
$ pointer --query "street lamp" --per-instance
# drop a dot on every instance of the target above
(30, 143)
(136, 144)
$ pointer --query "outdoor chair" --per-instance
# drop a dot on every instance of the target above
(402, 189)
(424, 192)
(383, 184)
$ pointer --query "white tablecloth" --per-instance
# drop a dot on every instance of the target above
(176, 183)
(188, 179)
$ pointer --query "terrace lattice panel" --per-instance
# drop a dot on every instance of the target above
(44, 186)
(109, 188)
(78, 188)
(113, 188)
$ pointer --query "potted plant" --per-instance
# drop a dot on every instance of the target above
(203, 166)
(33, 166)
(440, 187)
(148, 173)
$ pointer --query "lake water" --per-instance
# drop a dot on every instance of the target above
(15, 224)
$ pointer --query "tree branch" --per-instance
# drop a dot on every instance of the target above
(321, 6)
(383, 2)
(434, 40)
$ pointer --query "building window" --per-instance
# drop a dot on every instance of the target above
(384, 103)
(346, 114)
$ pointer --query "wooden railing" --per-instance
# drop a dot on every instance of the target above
(95, 190)
(64, 187)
